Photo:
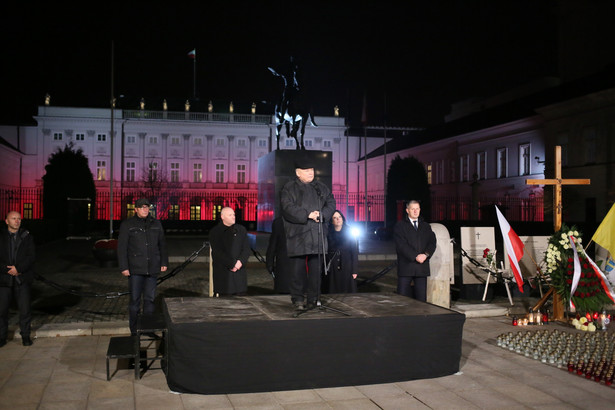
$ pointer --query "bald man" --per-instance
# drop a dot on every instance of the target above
(230, 251)
(17, 261)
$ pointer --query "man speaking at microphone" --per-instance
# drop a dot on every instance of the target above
(306, 205)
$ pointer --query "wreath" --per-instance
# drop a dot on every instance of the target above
(589, 295)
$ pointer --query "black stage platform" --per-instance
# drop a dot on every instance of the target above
(253, 344)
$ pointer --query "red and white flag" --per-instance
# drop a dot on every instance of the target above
(514, 248)
(192, 54)
(576, 276)
(604, 283)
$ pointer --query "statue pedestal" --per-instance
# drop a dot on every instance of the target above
(276, 169)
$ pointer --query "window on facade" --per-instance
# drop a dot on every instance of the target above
(589, 137)
(174, 140)
(290, 142)
(131, 139)
(57, 136)
(197, 172)
(101, 170)
(241, 142)
(326, 144)
(262, 143)
(502, 163)
(130, 171)
(429, 174)
(307, 143)
(195, 212)
(452, 168)
(174, 171)
(241, 174)
(219, 142)
(198, 141)
(79, 137)
(101, 137)
(219, 173)
(524, 159)
(153, 171)
(174, 212)
(153, 140)
(28, 211)
(130, 210)
(464, 168)
(481, 165)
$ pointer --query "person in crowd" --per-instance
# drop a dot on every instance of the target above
(306, 205)
(277, 257)
(142, 255)
(230, 251)
(415, 243)
(343, 257)
(17, 256)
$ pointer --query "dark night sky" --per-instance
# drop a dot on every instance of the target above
(422, 56)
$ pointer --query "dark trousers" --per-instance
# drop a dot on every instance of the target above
(140, 285)
(21, 293)
(413, 286)
(305, 276)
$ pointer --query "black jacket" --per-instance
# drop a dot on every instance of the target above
(24, 259)
(409, 243)
(297, 200)
(228, 245)
(141, 247)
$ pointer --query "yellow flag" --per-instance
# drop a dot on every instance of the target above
(605, 234)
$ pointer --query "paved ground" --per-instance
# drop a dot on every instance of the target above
(69, 372)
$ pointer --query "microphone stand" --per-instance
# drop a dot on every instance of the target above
(322, 255)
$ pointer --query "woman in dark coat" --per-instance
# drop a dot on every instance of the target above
(343, 256)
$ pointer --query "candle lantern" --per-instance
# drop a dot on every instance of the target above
(514, 321)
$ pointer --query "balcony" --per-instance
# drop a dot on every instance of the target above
(196, 116)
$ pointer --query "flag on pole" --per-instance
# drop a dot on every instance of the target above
(576, 275)
(605, 234)
(514, 248)
(192, 54)
(603, 280)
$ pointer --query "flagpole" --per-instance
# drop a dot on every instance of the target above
(194, 76)
(111, 150)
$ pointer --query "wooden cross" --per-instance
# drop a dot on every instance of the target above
(557, 183)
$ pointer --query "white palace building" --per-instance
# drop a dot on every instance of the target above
(202, 161)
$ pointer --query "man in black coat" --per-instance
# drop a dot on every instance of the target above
(230, 251)
(17, 258)
(306, 205)
(142, 255)
(415, 243)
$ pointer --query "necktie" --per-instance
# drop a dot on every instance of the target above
(416, 226)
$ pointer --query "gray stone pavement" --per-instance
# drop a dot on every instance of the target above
(69, 372)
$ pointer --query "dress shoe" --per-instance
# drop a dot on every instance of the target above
(299, 306)
(2, 342)
(311, 305)
(26, 341)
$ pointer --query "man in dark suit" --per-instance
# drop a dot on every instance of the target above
(17, 260)
(415, 243)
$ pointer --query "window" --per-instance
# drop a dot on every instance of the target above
(174, 212)
(153, 140)
(101, 170)
(219, 173)
(326, 144)
(241, 142)
(502, 163)
(524, 159)
(481, 165)
(101, 137)
(28, 211)
(262, 143)
(130, 210)
(429, 181)
(197, 172)
(174, 171)
(290, 142)
(241, 174)
(130, 171)
(153, 171)
(79, 137)
(57, 136)
(174, 140)
(307, 143)
(464, 168)
(195, 212)
(219, 142)
(131, 139)
(198, 141)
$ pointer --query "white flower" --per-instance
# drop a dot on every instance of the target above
(576, 234)
(591, 327)
(562, 242)
(570, 233)
(574, 322)
(564, 236)
(566, 247)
